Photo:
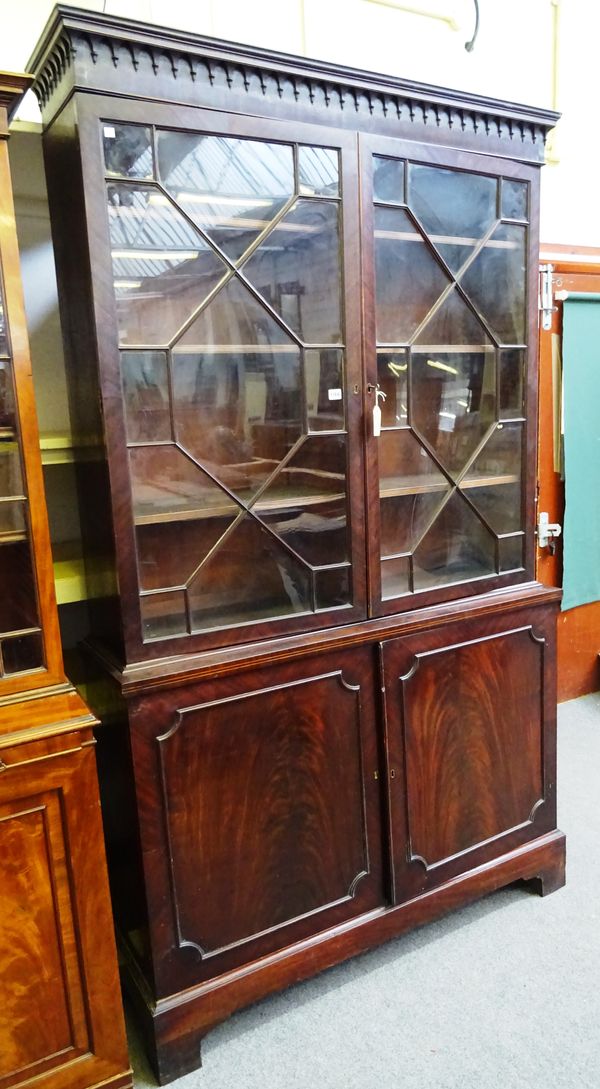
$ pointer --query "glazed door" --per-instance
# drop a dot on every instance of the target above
(229, 356)
(30, 654)
(447, 246)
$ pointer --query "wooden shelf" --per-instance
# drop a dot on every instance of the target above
(70, 575)
(390, 487)
(69, 572)
(11, 536)
(281, 498)
(62, 448)
(196, 513)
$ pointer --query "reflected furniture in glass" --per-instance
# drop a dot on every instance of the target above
(299, 312)
(61, 1022)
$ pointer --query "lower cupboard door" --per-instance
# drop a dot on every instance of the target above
(470, 722)
(259, 808)
(61, 1022)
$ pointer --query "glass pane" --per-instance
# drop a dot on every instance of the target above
(18, 592)
(231, 188)
(146, 396)
(514, 199)
(8, 421)
(500, 458)
(229, 589)
(388, 180)
(318, 171)
(409, 280)
(317, 531)
(455, 208)
(297, 270)
(511, 552)
(494, 480)
(392, 374)
(3, 334)
(163, 615)
(406, 467)
(11, 477)
(168, 555)
(23, 652)
(496, 283)
(332, 588)
(325, 388)
(166, 484)
(306, 503)
(162, 268)
(239, 413)
(404, 519)
(18, 599)
(236, 320)
(499, 504)
(512, 374)
(12, 520)
(127, 150)
(395, 577)
(456, 548)
(453, 402)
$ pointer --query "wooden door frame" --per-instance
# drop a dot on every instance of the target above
(574, 268)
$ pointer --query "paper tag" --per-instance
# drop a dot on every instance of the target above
(334, 394)
(109, 132)
(376, 421)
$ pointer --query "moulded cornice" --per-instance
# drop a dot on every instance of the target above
(13, 86)
(89, 51)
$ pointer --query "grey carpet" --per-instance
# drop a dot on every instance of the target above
(505, 993)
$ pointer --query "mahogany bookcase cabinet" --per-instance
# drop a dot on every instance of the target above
(61, 1021)
(336, 673)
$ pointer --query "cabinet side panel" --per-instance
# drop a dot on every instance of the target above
(69, 236)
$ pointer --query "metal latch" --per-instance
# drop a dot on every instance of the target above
(547, 531)
(545, 296)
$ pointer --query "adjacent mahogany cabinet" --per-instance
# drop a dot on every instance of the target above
(299, 306)
(61, 1022)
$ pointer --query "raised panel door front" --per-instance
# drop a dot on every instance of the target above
(38, 1027)
(58, 979)
(266, 789)
(471, 770)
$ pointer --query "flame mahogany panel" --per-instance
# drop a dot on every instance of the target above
(35, 1025)
(59, 1015)
(261, 823)
(470, 714)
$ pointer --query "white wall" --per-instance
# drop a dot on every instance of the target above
(513, 59)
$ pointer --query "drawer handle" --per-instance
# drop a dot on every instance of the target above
(3, 766)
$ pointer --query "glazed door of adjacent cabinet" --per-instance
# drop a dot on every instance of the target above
(470, 711)
(448, 241)
(259, 811)
(29, 638)
(226, 288)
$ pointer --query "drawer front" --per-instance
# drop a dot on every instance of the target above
(470, 713)
(259, 811)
